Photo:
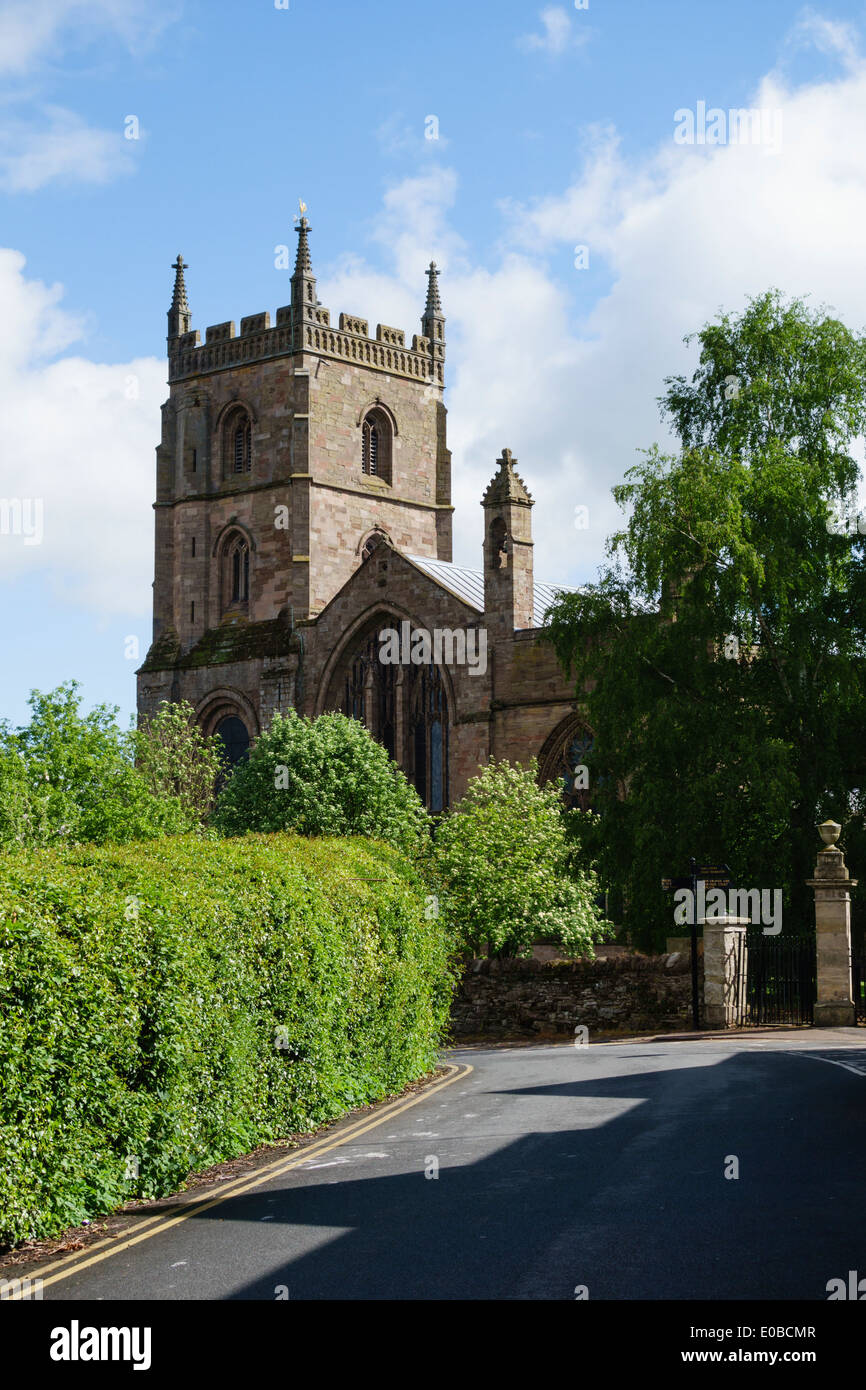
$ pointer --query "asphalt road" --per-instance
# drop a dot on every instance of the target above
(558, 1167)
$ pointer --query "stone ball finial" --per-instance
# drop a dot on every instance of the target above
(830, 831)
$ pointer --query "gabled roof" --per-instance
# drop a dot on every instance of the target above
(468, 585)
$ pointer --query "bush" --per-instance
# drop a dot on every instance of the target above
(323, 776)
(508, 872)
(72, 778)
(178, 762)
(142, 990)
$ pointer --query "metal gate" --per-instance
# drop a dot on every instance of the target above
(780, 979)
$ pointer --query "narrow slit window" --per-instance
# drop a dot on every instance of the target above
(239, 572)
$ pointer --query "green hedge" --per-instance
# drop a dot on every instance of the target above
(142, 990)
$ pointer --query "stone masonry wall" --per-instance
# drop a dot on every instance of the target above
(530, 998)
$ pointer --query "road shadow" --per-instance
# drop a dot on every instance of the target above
(635, 1206)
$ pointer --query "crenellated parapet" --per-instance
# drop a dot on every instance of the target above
(304, 326)
(223, 347)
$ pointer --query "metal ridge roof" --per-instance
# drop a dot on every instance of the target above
(468, 585)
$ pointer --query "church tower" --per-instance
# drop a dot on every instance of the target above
(508, 576)
(288, 450)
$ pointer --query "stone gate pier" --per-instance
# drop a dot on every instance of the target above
(724, 971)
(834, 1001)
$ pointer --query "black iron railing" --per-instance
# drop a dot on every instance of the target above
(858, 980)
(780, 979)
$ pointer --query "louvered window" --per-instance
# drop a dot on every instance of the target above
(242, 449)
(376, 445)
(370, 457)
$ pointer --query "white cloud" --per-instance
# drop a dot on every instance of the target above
(558, 35)
(78, 436)
(564, 375)
(65, 149)
(830, 36)
(42, 143)
(34, 30)
(569, 381)
(413, 229)
(399, 138)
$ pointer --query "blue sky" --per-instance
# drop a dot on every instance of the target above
(555, 128)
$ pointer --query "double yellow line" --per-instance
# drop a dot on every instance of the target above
(163, 1221)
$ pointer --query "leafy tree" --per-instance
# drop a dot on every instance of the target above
(507, 871)
(323, 776)
(178, 762)
(69, 777)
(719, 657)
(17, 823)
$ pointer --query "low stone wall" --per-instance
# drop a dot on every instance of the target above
(531, 998)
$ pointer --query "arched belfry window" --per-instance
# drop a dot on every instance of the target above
(376, 438)
(237, 442)
(371, 448)
(243, 448)
(235, 572)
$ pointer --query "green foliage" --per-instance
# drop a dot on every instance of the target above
(70, 778)
(508, 871)
(178, 763)
(142, 990)
(323, 776)
(720, 656)
(73, 778)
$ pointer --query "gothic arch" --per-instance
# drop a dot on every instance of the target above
(375, 534)
(368, 619)
(233, 570)
(234, 434)
(380, 614)
(376, 403)
(233, 525)
(235, 404)
(408, 708)
(563, 750)
(223, 703)
(377, 444)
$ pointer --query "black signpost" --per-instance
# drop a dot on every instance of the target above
(696, 1017)
(710, 876)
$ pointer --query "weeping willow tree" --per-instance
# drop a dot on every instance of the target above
(720, 654)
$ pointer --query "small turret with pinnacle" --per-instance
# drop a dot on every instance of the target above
(179, 316)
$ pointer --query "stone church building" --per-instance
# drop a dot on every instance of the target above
(303, 506)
